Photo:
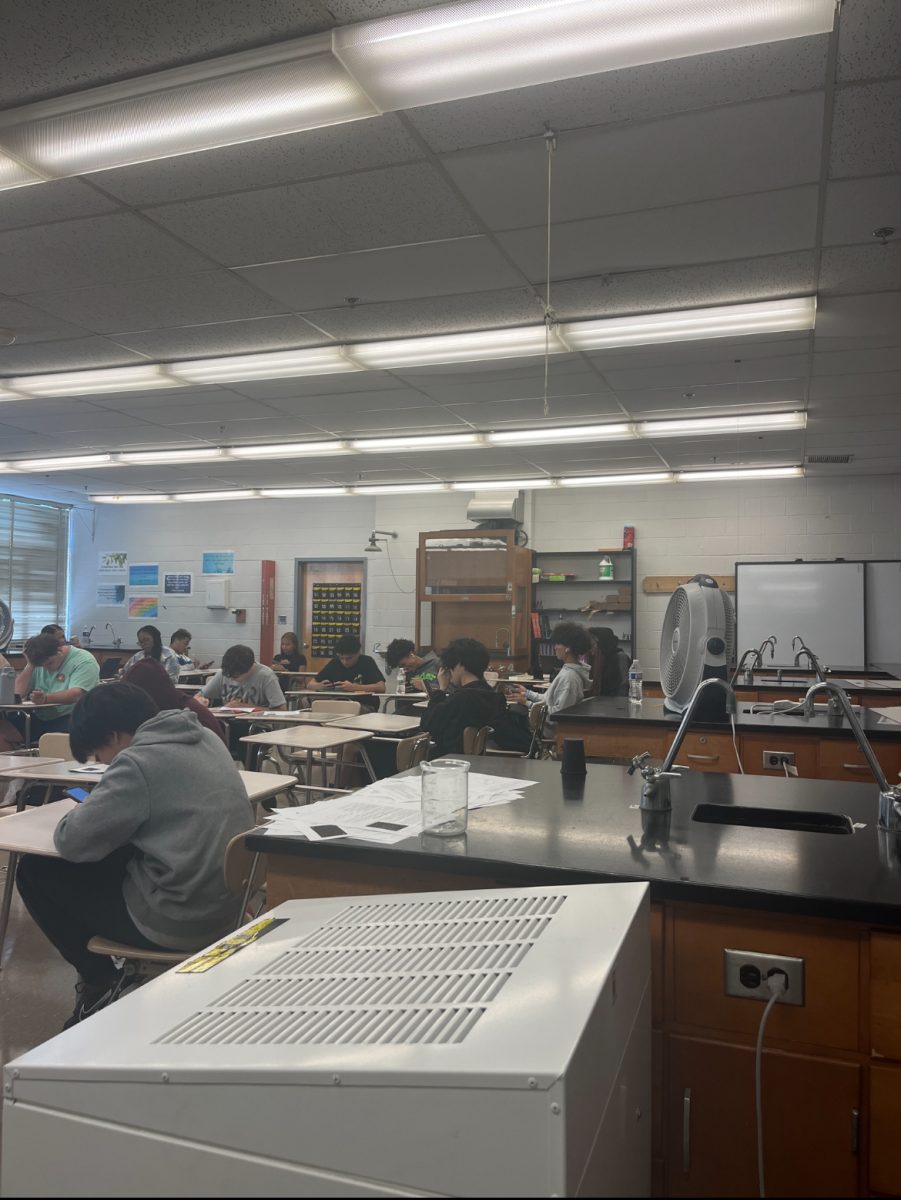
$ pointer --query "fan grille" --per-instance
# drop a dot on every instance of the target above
(674, 658)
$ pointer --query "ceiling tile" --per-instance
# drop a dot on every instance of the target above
(688, 375)
(346, 12)
(848, 269)
(315, 385)
(402, 420)
(15, 440)
(51, 46)
(869, 43)
(196, 409)
(58, 200)
(766, 224)
(31, 325)
(355, 146)
(866, 130)
(767, 277)
(858, 322)
(713, 350)
(634, 94)
(853, 362)
(90, 251)
(470, 264)
(34, 358)
(415, 318)
(317, 408)
(714, 399)
(231, 428)
(687, 157)
(232, 337)
(140, 402)
(492, 414)
(855, 207)
(145, 304)
(875, 383)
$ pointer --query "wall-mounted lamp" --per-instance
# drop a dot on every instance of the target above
(378, 535)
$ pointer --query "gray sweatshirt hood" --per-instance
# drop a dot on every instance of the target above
(170, 725)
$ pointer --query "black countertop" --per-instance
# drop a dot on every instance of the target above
(593, 832)
(601, 710)
(796, 682)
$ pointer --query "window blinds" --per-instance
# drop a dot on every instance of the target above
(34, 537)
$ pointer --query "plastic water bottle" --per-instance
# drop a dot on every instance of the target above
(401, 681)
(635, 681)
(7, 686)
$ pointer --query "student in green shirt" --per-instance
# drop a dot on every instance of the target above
(61, 673)
(419, 667)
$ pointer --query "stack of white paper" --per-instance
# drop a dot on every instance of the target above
(386, 812)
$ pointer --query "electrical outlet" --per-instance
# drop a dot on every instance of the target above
(746, 975)
(774, 760)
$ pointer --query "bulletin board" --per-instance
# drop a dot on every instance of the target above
(337, 609)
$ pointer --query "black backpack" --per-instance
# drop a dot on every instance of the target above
(510, 731)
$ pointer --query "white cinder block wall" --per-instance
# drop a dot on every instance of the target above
(679, 529)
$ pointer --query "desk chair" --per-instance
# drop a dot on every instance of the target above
(539, 746)
(475, 740)
(55, 745)
(241, 870)
(344, 708)
(109, 668)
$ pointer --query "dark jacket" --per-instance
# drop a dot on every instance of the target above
(449, 713)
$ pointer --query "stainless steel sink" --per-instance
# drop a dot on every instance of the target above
(772, 818)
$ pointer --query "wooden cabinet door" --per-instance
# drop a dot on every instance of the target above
(809, 1122)
(841, 758)
(706, 752)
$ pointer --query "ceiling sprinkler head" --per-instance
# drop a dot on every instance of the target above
(884, 232)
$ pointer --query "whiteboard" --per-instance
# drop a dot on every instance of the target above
(821, 601)
(883, 612)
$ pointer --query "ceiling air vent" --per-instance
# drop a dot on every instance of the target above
(829, 458)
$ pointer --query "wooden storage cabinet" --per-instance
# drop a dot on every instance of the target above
(706, 752)
(841, 758)
(885, 1129)
(885, 996)
(809, 1122)
(754, 745)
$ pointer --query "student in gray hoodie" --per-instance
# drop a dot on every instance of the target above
(142, 857)
(570, 683)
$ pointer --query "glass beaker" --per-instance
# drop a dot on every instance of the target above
(445, 797)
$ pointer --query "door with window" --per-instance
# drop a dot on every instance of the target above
(330, 597)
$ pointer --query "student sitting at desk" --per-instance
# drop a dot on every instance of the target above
(180, 644)
(571, 641)
(142, 857)
(151, 642)
(150, 677)
(472, 703)
(61, 673)
(242, 680)
(10, 737)
(419, 667)
(610, 668)
(351, 673)
(289, 657)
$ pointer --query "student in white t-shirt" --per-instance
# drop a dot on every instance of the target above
(242, 680)
(151, 642)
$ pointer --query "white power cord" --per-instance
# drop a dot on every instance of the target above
(735, 744)
(776, 983)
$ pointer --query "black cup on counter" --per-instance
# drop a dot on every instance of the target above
(573, 759)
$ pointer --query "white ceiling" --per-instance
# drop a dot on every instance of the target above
(730, 177)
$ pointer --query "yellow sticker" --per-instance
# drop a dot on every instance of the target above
(228, 946)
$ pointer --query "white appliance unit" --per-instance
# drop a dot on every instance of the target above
(6, 625)
(697, 643)
(485, 1043)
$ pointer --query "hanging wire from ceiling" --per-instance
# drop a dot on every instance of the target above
(550, 141)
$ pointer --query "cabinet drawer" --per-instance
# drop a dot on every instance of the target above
(885, 995)
(885, 1120)
(614, 740)
(841, 758)
(829, 1015)
(707, 752)
(753, 746)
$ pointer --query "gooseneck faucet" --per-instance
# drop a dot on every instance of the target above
(889, 794)
(117, 642)
(749, 671)
(655, 793)
(813, 661)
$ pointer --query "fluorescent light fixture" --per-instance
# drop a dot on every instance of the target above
(272, 91)
(482, 345)
(562, 433)
(758, 423)
(502, 485)
(689, 325)
(64, 463)
(290, 493)
(93, 383)
(429, 442)
(276, 364)
(13, 174)
(248, 494)
(478, 46)
(740, 473)
(6, 394)
(399, 489)
(289, 450)
(131, 499)
(616, 480)
(171, 457)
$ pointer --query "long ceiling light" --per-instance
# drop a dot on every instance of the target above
(484, 345)
(739, 473)
(440, 441)
(690, 325)
(754, 423)
(562, 433)
(469, 48)
(64, 463)
(171, 458)
(290, 450)
(649, 477)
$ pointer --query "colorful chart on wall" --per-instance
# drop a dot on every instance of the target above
(110, 595)
(143, 608)
(178, 583)
(218, 562)
(143, 575)
(112, 562)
